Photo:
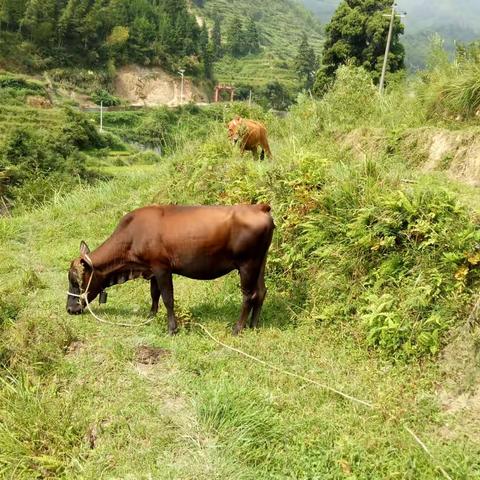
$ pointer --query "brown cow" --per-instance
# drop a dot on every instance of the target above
(251, 134)
(200, 242)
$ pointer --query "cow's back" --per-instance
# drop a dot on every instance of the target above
(198, 241)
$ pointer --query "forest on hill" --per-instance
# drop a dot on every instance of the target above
(41, 34)
(273, 59)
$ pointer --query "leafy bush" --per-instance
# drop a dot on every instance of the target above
(353, 243)
(36, 163)
(18, 82)
(105, 97)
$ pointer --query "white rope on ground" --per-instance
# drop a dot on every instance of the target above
(84, 296)
(286, 372)
(325, 387)
(427, 451)
(119, 324)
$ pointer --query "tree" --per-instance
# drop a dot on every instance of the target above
(277, 95)
(357, 34)
(306, 62)
(92, 33)
(252, 39)
(217, 37)
(235, 38)
(208, 59)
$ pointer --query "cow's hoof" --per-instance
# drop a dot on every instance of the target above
(151, 315)
(173, 331)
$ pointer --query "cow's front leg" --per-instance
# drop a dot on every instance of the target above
(155, 293)
(165, 284)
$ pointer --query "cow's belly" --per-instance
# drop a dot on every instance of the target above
(204, 268)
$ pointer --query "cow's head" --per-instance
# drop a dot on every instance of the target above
(81, 276)
(233, 130)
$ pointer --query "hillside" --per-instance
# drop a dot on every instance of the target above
(102, 36)
(368, 279)
(280, 24)
(453, 20)
(366, 362)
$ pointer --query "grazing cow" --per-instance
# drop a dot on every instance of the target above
(251, 134)
(199, 242)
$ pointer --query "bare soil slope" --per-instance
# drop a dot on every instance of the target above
(153, 87)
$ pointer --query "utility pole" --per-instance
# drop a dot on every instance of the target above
(101, 116)
(392, 17)
(181, 72)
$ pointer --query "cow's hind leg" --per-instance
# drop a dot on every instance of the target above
(165, 285)
(155, 293)
(248, 280)
(259, 297)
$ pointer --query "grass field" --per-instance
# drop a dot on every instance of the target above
(78, 402)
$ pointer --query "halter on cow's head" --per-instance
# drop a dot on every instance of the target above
(83, 283)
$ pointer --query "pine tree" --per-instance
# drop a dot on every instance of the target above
(235, 38)
(306, 62)
(102, 32)
(251, 37)
(12, 12)
(217, 37)
(203, 39)
(208, 59)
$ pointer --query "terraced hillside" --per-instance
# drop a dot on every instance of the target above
(281, 24)
(16, 116)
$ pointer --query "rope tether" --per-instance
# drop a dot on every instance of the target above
(84, 295)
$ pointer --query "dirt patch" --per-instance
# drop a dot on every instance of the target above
(150, 355)
(142, 86)
(74, 347)
(456, 152)
(38, 102)
(94, 432)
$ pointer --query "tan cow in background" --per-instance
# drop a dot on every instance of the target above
(251, 135)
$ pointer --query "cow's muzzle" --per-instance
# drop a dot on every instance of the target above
(75, 306)
(75, 310)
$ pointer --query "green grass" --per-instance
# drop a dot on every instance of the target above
(202, 411)
(371, 278)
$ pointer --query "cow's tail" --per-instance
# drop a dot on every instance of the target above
(266, 150)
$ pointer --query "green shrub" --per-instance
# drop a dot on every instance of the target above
(36, 163)
(106, 98)
(353, 243)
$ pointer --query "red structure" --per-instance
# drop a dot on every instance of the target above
(224, 88)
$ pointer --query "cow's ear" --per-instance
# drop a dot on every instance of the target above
(86, 262)
(84, 250)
